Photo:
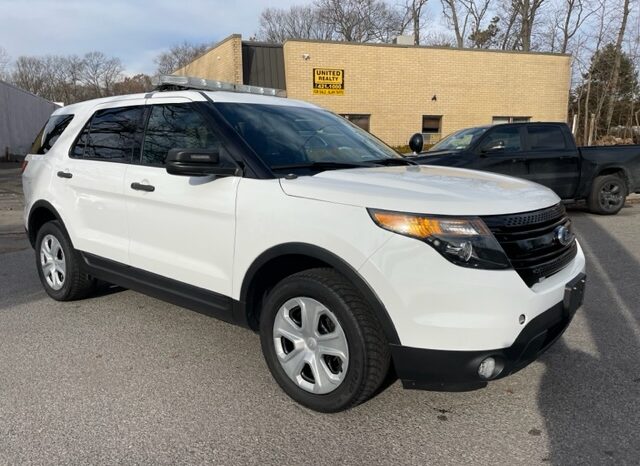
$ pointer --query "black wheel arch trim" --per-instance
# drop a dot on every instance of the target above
(45, 205)
(611, 170)
(321, 254)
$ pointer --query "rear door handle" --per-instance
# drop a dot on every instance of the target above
(62, 174)
(143, 187)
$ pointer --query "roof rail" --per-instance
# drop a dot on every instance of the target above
(173, 83)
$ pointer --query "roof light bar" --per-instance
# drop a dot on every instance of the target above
(171, 82)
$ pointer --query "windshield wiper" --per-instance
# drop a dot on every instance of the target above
(390, 161)
(322, 165)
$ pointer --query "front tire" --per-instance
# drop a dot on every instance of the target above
(321, 342)
(60, 267)
(608, 195)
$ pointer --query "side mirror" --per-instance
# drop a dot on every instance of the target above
(198, 162)
(494, 146)
(416, 143)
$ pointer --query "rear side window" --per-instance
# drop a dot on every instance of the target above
(50, 133)
(546, 137)
(175, 126)
(111, 134)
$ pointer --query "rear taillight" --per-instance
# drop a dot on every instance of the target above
(23, 166)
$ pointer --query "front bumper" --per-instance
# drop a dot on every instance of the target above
(445, 370)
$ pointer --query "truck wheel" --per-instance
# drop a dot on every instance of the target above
(59, 266)
(321, 343)
(608, 194)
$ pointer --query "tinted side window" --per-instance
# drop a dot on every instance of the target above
(505, 139)
(48, 136)
(175, 126)
(78, 148)
(110, 135)
(546, 137)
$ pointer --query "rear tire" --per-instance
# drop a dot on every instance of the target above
(318, 321)
(60, 267)
(608, 195)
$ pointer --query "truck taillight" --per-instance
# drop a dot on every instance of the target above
(23, 166)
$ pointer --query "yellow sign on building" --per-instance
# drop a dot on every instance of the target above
(328, 81)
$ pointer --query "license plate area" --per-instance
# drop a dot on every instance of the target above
(574, 294)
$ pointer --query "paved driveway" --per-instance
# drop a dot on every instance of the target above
(124, 378)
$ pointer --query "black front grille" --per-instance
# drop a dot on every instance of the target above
(529, 240)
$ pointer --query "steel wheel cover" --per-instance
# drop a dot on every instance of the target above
(311, 345)
(52, 262)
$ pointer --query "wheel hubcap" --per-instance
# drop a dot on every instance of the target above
(52, 262)
(311, 345)
(611, 196)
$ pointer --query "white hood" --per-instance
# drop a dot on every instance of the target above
(423, 189)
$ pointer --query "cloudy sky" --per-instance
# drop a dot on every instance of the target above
(133, 30)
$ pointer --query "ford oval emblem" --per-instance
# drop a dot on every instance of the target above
(563, 235)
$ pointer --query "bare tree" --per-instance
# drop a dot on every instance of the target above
(29, 74)
(298, 22)
(458, 20)
(613, 85)
(100, 72)
(4, 62)
(361, 20)
(70, 78)
(177, 56)
(133, 84)
(440, 39)
(520, 20)
(601, 37)
(482, 35)
(563, 21)
(468, 20)
(527, 11)
(573, 18)
(413, 13)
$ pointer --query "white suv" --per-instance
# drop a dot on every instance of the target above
(287, 219)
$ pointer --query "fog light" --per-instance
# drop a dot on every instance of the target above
(487, 368)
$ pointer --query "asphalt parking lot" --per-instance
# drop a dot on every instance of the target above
(124, 378)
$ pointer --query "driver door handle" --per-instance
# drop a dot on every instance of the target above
(143, 187)
(62, 174)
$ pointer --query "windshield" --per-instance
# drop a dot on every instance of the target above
(288, 137)
(460, 140)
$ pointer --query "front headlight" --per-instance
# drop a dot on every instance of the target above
(465, 241)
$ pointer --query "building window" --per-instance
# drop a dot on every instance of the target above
(359, 120)
(431, 124)
(431, 128)
(499, 120)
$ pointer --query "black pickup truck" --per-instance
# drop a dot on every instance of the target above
(545, 153)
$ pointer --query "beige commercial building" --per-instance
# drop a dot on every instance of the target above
(397, 90)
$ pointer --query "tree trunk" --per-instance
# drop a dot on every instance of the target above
(416, 25)
(613, 87)
(586, 109)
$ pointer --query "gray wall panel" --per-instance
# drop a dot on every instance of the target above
(263, 65)
(22, 115)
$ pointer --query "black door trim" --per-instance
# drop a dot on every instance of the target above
(182, 294)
